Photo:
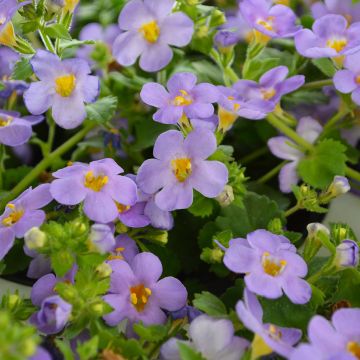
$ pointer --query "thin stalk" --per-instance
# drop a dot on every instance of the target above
(292, 210)
(317, 84)
(265, 178)
(338, 116)
(52, 129)
(46, 41)
(2, 164)
(254, 155)
(352, 173)
(44, 164)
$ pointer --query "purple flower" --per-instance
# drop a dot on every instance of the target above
(278, 339)
(226, 38)
(329, 341)
(330, 37)
(21, 215)
(346, 8)
(348, 80)
(272, 86)
(133, 216)
(65, 86)
(187, 311)
(271, 266)
(286, 149)
(102, 238)
(41, 354)
(39, 265)
(277, 21)
(125, 248)
(137, 294)
(149, 28)
(347, 254)
(8, 8)
(14, 129)
(52, 316)
(340, 185)
(180, 166)
(213, 338)
(98, 184)
(238, 26)
(183, 98)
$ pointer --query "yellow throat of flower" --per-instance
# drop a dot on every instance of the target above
(7, 34)
(122, 208)
(183, 99)
(266, 24)
(5, 121)
(337, 44)
(181, 168)
(117, 255)
(354, 349)
(227, 118)
(95, 183)
(70, 5)
(65, 85)
(268, 94)
(14, 216)
(271, 265)
(139, 296)
(150, 31)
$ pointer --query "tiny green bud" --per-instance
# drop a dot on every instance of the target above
(28, 347)
(217, 18)
(275, 226)
(97, 308)
(35, 238)
(121, 228)
(13, 301)
(158, 236)
(313, 242)
(78, 227)
(226, 197)
(104, 270)
(193, 2)
(202, 32)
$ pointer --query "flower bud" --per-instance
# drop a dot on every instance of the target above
(347, 254)
(226, 197)
(28, 347)
(314, 228)
(313, 242)
(225, 40)
(13, 301)
(102, 238)
(35, 238)
(339, 186)
(104, 270)
(78, 227)
(97, 308)
(158, 236)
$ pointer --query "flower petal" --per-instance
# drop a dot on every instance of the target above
(147, 268)
(154, 94)
(240, 259)
(7, 236)
(288, 177)
(175, 196)
(200, 143)
(122, 189)
(155, 57)
(68, 191)
(264, 285)
(344, 81)
(296, 289)
(38, 97)
(152, 175)
(100, 207)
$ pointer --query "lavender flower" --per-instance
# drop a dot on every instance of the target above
(64, 86)
(286, 149)
(277, 21)
(125, 248)
(52, 316)
(226, 38)
(101, 238)
(98, 184)
(347, 254)
(330, 37)
(213, 338)
(271, 266)
(137, 294)
(346, 8)
(41, 354)
(338, 339)
(180, 166)
(183, 97)
(14, 129)
(21, 215)
(276, 338)
(236, 23)
(340, 185)
(39, 265)
(348, 80)
(8, 8)
(149, 28)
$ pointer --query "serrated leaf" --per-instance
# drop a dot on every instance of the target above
(325, 65)
(150, 333)
(188, 353)
(202, 206)
(210, 304)
(258, 67)
(57, 31)
(326, 161)
(61, 262)
(88, 349)
(102, 110)
(22, 69)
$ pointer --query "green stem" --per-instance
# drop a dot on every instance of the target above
(317, 84)
(44, 164)
(254, 155)
(46, 41)
(292, 210)
(2, 164)
(271, 173)
(52, 128)
(290, 133)
(352, 173)
(338, 116)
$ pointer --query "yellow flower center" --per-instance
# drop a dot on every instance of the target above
(357, 79)
(7, 34)
(227, 118)
(181, 168)
(353, 348)
(271, 265)
(139, 296)
(70, 5)
(337, 44)
(274, 332)
(150, 31)
(122, 208)
(282, 2)
(14, 216)
(6, 120)
(117, 255)
(95, 183)
(65, 85)
(182, 100)
(267, 24)
(268, 94)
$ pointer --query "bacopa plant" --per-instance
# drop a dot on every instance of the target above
(166, 169)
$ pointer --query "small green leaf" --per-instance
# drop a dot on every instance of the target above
(151, 332)
(325, 66)
(202, 206)
(102, 110)
(61, 262)
(22, 69)
(74, 43)
(326, 161)
(57, 31)
(88, 349)
(188, 353)
(210, 304)
(258, 67)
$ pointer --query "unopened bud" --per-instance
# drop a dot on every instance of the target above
(347, 254)
(28, 347)
(314, 228)
(339, 186)
(104, 270)
(79, 228)
(13, 301)
(102, 237)
(97, 308)
(35, 238)
(313, 242)
(158, 236)
(226, 197)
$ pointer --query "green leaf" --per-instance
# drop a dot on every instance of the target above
(210, 304)
(65, 349)
(88, 349)
(102, 110)
(202, 206)
(188, 353)
(73, 43)
(61, 262)
(151, 333)
(2, 86)
(57, 31)
(256, 213)
(326, 161)
(325, 65)
(22, 69)
(258, 67)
